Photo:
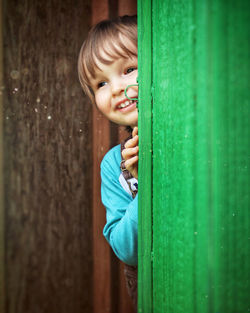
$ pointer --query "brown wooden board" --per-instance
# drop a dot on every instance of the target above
(109, 290)
(47, 159)
(125, 7)
(57, 259)
(2, 282)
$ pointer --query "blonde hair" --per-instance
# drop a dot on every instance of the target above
(108, 35)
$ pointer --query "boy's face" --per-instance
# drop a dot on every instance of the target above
(109, 86)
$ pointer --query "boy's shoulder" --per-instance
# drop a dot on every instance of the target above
(112, 158)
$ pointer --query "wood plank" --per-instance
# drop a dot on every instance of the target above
(145, 163)
(2, 225)
(200, 164)
(109, 286)
(102, 285)
(173, 163)
(101, 251)
(128, 7)
(125, 7)
(47, 157)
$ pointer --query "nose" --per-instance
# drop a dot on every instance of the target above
(117, 86)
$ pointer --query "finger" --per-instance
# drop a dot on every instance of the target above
(135, 131)
(129, 152)
(132, 142)
(130, 163)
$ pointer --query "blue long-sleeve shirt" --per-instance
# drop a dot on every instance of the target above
(121, 209)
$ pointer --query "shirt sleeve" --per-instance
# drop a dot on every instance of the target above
(121, 214)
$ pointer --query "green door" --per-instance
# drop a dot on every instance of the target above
(194, 220)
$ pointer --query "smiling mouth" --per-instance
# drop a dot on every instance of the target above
(126, 104)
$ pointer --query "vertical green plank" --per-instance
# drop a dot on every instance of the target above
(200, 170)
(222, 52)
(200, 161)
(237, 276)
(203, 161)
(173, 159)
(231, 76)
(145, 165)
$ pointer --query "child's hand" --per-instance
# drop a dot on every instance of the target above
(130, 154)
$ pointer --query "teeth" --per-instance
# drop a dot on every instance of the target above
(126, 103)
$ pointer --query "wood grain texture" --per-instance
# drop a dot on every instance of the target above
(109, 290)
(102, 289)
(145, 236)
(200, 169)
(2, 213)
(57, 259)
(125, 7)
(173, 158)
(47, 159)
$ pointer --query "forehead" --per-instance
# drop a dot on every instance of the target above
(108, 52)
(122, 47)
(109, 57)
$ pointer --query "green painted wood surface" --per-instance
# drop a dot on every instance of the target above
(199, 202)
(145, 181)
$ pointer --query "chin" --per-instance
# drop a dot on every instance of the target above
(133, 122)
(133, 125)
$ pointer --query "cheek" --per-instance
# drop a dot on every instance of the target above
(101, 102)
(132, 77)
(132, 81)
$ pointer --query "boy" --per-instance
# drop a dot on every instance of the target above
(107, 65)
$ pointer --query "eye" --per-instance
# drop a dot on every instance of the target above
(101, 84)
(130, 70)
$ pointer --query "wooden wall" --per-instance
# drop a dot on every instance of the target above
(47, 157)
(53, 257)
(193, 237)
(2, 290)
(110, 294)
